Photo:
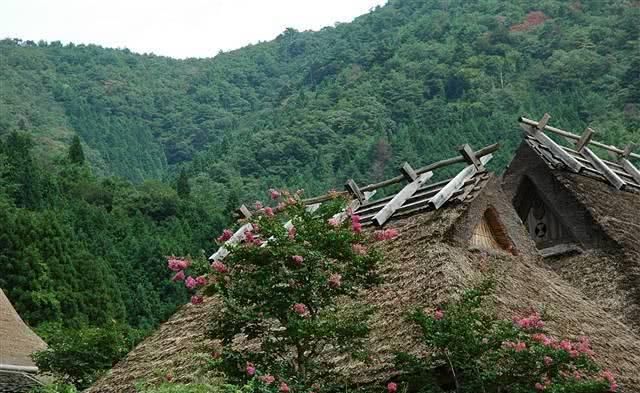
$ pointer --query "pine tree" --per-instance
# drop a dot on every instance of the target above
(76, 155)
(182, 185)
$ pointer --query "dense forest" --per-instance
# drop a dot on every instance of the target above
(92, 139)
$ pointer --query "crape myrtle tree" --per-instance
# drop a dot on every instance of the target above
(283, 288)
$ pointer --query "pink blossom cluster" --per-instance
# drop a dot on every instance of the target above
(292, 232)
(226, 235)
(540, 386)
(518, 347)
(219, 267)
(438, 314)
(177, 264)
(250, 238)
(197, 299)
(386, 234)
(530, 322)
(300, 309)
(334, 221)
(297, 260)
(267, 379)
(392, 387)
(611, 379)
(356, 226)
(582, 346)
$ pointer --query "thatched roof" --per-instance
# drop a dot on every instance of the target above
(17, 340)
(606, 222)
(428, 263)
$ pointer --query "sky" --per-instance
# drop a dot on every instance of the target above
(176, 28)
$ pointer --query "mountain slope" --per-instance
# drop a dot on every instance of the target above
(407, 81)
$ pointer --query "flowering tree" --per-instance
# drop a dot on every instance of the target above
(282, 286)
(473, 351)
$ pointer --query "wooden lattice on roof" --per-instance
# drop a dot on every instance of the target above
(417, 195)
(580, 158)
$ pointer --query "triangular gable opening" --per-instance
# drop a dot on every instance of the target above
(490, 233)
(544, 225)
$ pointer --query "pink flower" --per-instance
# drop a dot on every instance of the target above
(356, 227)
(179, 276)
(386, 234)
(532, 321)
(520, 346)
(335, 280)
(197, 299)
(300, 309)
(201, 281)
(177, 264)
(292, 232)
(259, 205)
(284, 388)
(219, 267)
(268, 379)
(359, 249)
(548, 361)
(543, 339)
(334, 221)
(226, 235)
(274, 194)
(251, 369)
(565, 345)
(439, 314)
(297, 260)
(268, 212)
(539, 386)
(392, 387)
(190, 282)
(249, 237)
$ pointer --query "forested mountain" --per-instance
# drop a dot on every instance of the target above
(408, 81)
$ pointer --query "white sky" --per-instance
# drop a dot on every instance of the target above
(177, 28)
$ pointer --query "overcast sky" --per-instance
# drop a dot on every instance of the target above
(177, 28)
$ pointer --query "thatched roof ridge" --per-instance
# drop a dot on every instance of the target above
(427, 264)
(17, 340)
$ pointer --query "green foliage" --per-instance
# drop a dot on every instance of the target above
(474, 351)
(78, 356)
(55, 388)
(76, 155)
(286, 295)
(309, 109)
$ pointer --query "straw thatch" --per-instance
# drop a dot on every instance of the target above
(428, 263)
(606, 224)
(17, 340)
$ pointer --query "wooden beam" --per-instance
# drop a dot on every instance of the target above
(603, 169)
(400, 198)
(480, 153)
(456, 183)
(353, 206)
(543, 122)
(556, 150)
(408, 172)
(246, 213)
(353, 188)
(569, 135)
(584, 139)
(323, 198)
(560, 249)
(237, 237)
(631, 169)
(470, 157)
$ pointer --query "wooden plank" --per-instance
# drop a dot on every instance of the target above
(569, 135)
(560, 249)
(470, 157)
(408, 172)
(543, 122)
(455, 184)
(400, 198)
(353, 188)
(237, 237)
(584, 139)
(323, 198)
(556, 150)
(631, 169)
(439, 164)
(245, 212)
(603, 169)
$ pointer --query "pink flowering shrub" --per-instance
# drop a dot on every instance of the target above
(285, 294)
(474, 351)
(184, 268)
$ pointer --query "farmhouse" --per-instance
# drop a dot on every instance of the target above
(452, 231)
(17, 343)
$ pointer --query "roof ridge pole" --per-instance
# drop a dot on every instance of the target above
(401, 197)
(237, 237)
(536, 131)
(582, 148)
(627, 165)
